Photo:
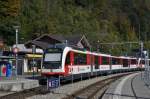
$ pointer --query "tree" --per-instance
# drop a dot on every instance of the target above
(9, 11)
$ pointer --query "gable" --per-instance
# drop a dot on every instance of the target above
(45, 40)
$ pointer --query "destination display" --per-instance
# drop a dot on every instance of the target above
(53, 50)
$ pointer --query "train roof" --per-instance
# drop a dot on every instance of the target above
(87, 52)
(127, 57)
(101, 54)
(84, 51)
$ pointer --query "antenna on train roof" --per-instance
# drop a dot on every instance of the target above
(66, 42)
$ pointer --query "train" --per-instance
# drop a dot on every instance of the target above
(66, 61)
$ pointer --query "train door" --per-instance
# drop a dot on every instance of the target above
(129, 63)
(92, 63)
(125, 63)
(67, 62)
(110, 63)
(96, 62)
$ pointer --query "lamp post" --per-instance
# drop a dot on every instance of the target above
(1, 46)
(98, 46)
(141, 49)
(16, 30)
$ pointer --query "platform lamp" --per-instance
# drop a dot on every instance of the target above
(16, 47)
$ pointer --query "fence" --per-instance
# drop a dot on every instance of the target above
(146, 73)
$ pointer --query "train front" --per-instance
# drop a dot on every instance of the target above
(53, 62)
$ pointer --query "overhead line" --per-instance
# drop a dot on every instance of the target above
(117, 43)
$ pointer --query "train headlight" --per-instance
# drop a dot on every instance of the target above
(59, 67)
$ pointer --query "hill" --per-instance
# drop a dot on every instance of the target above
(100, 20)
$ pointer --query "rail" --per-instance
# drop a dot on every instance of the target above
(95, 90)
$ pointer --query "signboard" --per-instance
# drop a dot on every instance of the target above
(53, 83)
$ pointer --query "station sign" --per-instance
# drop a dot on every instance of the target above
(53, 83)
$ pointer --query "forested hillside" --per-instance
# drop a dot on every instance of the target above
(99, 20)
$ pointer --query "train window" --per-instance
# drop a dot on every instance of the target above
(125, 63)
(115, 61)
(80, 59)
(143, 61)
(105, 60)
(67, 62)
(96, 62)
(133, 61)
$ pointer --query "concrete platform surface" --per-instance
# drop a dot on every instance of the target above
(17, 84)
(129, 87)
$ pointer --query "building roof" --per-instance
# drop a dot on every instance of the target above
(50, 38)
(22, 48)
(73, 40)
(39, 44)
(45, 40)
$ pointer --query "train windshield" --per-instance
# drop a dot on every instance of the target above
(52, 58)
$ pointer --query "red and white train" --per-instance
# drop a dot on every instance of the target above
(69, 61)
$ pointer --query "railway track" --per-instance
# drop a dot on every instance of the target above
(132, 88)
(26, 93)
(95, 90)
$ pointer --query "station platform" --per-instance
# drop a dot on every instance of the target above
(129, 87)
(19, 83)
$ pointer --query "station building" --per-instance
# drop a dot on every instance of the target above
(25, 59)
